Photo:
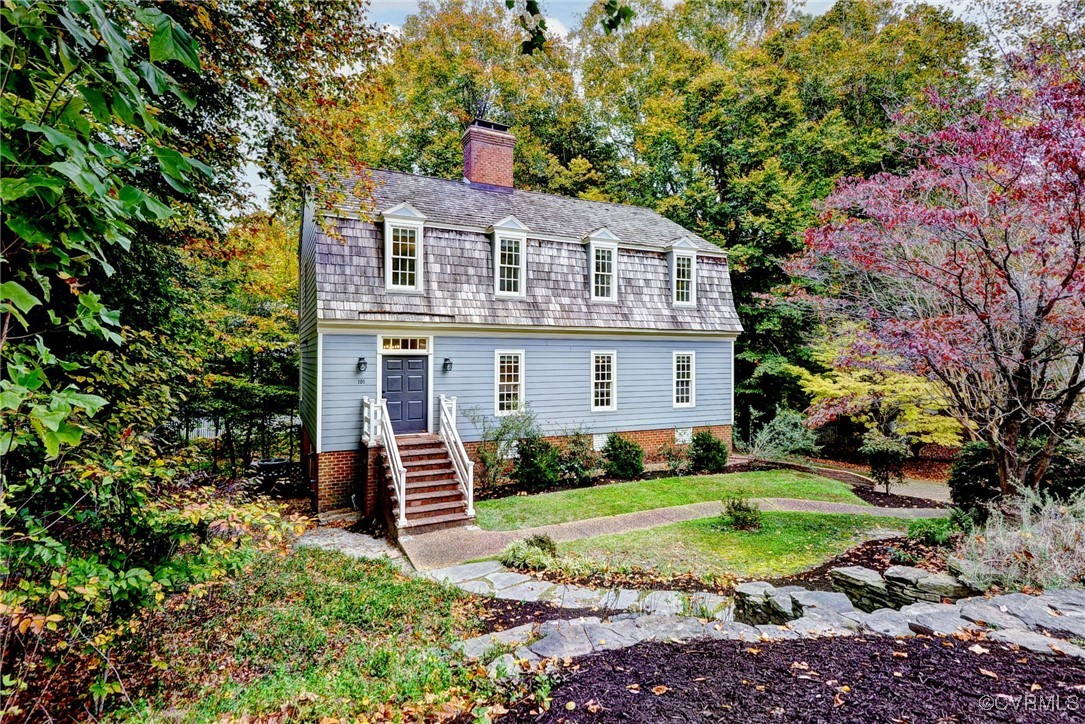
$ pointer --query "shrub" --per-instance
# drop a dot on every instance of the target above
(543, 542)
(741, 514)
(623, 459)
(1036, 542)
(973, 479)
(578, 460)
(537, 463)
(886, 456)
(707, 453)
(784, 437)
(676, 458)
(902, 558)
(932, 531)
(498, 438)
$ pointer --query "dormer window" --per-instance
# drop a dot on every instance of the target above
(683, 264)
(403, 249)
(510, 257)
(603, 266)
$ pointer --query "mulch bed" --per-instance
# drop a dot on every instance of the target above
(935, 471)
(496, 614)
(874, 554)
(641, 578)
(814, 680)
(883, 500)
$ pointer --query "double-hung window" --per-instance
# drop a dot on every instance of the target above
(403, 249)
(508, 382)
(510, 266)
(604, 262)
(604, 381)
(683, 280)
(684, 379)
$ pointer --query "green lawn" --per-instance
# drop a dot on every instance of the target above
(527, 511)
(328, 634)
(788, 543)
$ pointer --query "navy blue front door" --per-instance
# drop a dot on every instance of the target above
(405, 388)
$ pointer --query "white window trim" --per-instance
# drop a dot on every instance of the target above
(613, 380)
(498, 412)
(405, 216)
(692, 379)
(611, 246)
(521, 239)
(675, 256)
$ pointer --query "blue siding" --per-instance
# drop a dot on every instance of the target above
(557, 382)
(343, 386)
(558, 375)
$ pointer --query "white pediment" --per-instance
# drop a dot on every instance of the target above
(403, 211)
(601, 234)
(682, 243)
(510, 224)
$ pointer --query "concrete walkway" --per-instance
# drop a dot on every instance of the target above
(450, 547)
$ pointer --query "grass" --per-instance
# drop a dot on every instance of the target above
(527, 511)
(316, 633)
(787, 543)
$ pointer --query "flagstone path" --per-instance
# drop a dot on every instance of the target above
(456, 545)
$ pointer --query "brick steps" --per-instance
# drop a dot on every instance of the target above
(433, 497)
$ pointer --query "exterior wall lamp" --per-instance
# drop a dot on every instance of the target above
(447, 366)
(362, 364)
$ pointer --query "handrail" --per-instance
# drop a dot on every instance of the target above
(465, 467)
(395, 463)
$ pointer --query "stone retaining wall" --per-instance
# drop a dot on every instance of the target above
(898, 587)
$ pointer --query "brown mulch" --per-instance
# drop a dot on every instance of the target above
(935, 471)
(874, 554)
(890, 500)
(813, 680)
(496, 614)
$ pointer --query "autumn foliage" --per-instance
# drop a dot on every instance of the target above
(968, 270)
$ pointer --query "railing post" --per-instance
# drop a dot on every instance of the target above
(453, 411)
(367, 420)
(471, 487)
(402, 495)
(440, 414)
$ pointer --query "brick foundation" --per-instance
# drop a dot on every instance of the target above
(653, 441)
(347, 479)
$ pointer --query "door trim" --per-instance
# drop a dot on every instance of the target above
(427, 352)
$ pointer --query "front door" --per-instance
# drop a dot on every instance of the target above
(405, 389)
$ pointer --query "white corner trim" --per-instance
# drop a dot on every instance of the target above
(319, 392)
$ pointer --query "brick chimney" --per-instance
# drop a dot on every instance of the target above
(487, 154)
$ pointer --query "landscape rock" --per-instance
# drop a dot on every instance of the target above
(808, 627)
(986, 614)
(940, 623)
(667, 603)
(772, 632)
(826, 600)
(1037, 642)
(887, 622)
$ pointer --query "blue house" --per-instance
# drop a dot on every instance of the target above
(442, 297)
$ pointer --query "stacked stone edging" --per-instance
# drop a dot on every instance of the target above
(899, 586)
(1045, 623)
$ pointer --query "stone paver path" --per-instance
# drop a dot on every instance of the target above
(449, 547)
(492, 578)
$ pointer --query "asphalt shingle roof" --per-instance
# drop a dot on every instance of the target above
(461, 204)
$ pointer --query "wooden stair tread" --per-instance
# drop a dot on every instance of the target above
(437, 520)
(434, 494)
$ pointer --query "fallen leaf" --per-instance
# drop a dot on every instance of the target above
(633, 687)
(977, 649)
(992, 674)
(753, 651)
(660, 690)
(801, 665)
(845, 689)
(900, 654)
(570, 706)
(701, 678)
(1035, 687)
(838, 700)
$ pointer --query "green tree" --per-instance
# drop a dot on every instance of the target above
(456, 61)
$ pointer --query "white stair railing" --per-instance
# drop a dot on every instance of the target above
(395, 463)
(370, 421)
(465, 467)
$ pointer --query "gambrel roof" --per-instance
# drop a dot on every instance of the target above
(458, 260)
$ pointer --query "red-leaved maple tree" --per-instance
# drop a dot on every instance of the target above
(969, 269)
